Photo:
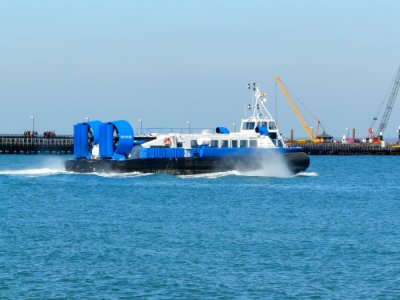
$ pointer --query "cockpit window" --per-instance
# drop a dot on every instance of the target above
(248, 125)
(272, 126)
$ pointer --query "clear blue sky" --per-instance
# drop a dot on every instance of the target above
(168, 62)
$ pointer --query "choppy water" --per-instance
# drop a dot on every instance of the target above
(332, 232)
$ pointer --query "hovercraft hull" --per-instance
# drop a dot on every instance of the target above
(295, 161)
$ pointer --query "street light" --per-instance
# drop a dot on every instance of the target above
(33, 124)
(188, 123)
(312, 132)
(399, 133)
(87, 119)
(141, 126)
(347, 130)
(234, 127)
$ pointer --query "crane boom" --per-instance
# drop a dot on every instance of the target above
(296, 110)
(390, 104)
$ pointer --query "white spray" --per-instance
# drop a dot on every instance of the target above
(273, 165)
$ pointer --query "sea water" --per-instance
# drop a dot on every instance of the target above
(331, 232)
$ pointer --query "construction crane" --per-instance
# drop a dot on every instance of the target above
(390, 104)
(297, 111)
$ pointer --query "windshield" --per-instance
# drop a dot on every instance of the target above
(248, 125)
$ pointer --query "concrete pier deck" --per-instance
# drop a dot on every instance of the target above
(348, 149)
(21, 144)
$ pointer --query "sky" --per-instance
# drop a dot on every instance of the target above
(170, 62)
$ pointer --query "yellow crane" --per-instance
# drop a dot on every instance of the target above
(297, 111)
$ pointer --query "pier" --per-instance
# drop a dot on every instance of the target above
(38, 144)
(64, 144)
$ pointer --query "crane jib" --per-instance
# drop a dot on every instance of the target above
(390, 104)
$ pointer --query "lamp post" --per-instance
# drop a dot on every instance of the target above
(188, 123)
(234, 127)
(347, 130)
(312, 131)
(399, 133)
(87, 119)
(141, 126)
(33, 124)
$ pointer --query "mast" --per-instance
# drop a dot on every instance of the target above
(259, 101)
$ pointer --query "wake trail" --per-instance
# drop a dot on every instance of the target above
(212, 175)
(33, 172)
(119, 175)
(307, 174)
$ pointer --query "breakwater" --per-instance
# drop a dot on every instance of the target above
(38, 144)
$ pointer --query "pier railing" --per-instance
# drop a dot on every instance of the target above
(167, 130)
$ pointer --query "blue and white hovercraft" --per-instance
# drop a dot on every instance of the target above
(113, 147)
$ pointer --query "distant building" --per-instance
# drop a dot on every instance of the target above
(325, 138)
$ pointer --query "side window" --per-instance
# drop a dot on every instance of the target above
(193, 144)
(253, 143)
(243, 144)
(234, 143)
(214, 144)
(224, 143)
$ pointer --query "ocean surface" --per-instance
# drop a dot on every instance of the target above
(331, 232)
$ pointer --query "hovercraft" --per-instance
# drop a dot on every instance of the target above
(112, 147)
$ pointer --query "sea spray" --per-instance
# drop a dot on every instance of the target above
(271, 165)
(43, 166)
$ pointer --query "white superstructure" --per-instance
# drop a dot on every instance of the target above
(258, 131)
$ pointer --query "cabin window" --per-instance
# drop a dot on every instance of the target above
(214, 144)
(243, 143)
(253, 143)
(193, 144)
(224, 143)
(264, 124)
(179, 144)
(272, 126)
(234, 143)
(248, 125)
